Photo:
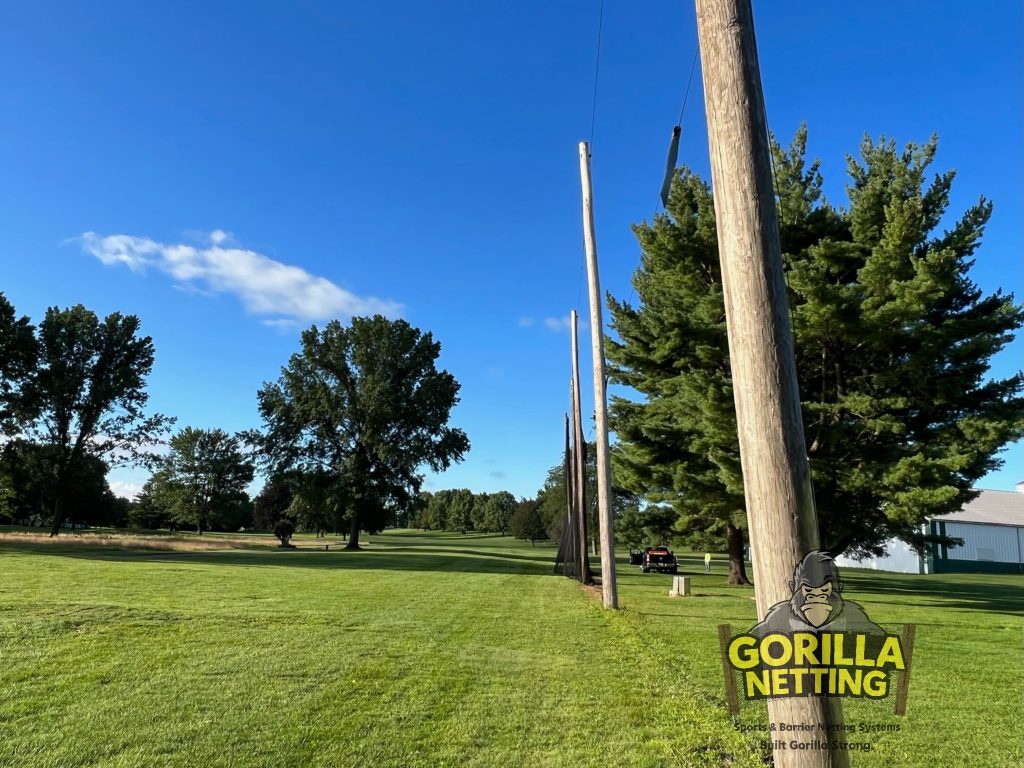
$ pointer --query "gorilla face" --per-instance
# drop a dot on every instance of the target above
(817, 603)
(816, 589)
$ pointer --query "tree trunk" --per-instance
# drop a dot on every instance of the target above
(353, 535)
(58, 515)
(199, 528)
(737, 569)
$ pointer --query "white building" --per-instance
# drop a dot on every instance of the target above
(992, 529)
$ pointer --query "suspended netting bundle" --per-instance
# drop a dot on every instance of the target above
(567, 561)
(572, 559)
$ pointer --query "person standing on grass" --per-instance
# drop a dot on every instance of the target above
(707, 562)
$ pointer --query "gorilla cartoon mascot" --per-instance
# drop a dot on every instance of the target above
(817, 604)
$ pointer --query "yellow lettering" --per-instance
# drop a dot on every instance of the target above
(875, 684)
(783, 657)
(838, 659)
(819, 673)
(743, 653)
(861, 659)
(826, 649)
(891, 653)
(760, 681)
(798, 680)
(805, 645)
(780, 685)
(849, 682)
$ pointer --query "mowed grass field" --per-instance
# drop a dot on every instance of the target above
(444, 650)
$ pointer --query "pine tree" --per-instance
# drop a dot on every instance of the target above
(893, 343)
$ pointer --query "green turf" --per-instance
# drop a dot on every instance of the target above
(967, 682)
(440, 650)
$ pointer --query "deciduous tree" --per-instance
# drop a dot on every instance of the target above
(366, 404)
(527, 522)
(88, 395)
(209, 472)
(18, 360)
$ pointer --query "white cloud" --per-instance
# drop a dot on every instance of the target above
(125, 490)
(556, 323)
(265, 286)
(281, 323)
(526, 322)
(562, 324)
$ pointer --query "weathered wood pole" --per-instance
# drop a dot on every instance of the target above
(568, 464)
(579, 455)
(776, 474)
(606, 523)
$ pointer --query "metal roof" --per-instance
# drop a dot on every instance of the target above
(991, 507)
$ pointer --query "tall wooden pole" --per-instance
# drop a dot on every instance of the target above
(776, 475)
(579, 455)
(609, 588)
(568, 466)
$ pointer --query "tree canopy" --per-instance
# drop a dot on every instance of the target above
(551, 498)
(85, 396)
(18, 354)
(206, 474)
(893, 343)
(365, 404)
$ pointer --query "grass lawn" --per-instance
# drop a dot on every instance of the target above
(442, 650)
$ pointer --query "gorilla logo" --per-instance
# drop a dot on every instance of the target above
(817, 603)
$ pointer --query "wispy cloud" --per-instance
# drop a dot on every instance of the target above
(281, 323)
(554, 324)
(560, 324)
(265, 286)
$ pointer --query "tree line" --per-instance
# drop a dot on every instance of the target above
(347, 428)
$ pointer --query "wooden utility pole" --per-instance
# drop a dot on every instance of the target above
(568, 464)
(776, 474)
(609, 588)
(579, 456)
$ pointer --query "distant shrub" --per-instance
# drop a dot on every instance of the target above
(284, 529)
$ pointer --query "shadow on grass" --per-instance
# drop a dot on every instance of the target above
(380, 558)
(998, 594)
(991, 593)
(540, 557)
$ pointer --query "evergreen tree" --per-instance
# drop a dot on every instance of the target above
(893, 343)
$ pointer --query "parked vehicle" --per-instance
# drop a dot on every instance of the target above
(636, 557)
(659, 559)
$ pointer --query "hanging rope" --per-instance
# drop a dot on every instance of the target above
(673, 147)
(689, 80)
(673, 153)
(597, 71)
(593, 122)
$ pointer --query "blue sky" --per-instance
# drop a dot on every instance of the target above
(247, 169)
